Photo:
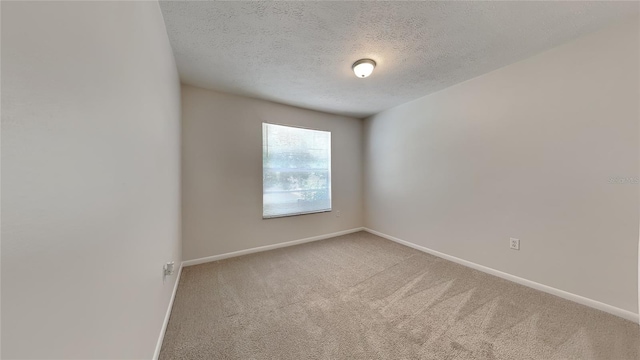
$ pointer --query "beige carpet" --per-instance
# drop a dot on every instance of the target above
(359, 296)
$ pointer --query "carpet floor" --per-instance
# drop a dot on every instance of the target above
(360, 296)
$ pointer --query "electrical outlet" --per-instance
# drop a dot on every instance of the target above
(514, 244)
(337, 213)
(168, 268)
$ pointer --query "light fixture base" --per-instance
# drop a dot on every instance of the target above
(363, 67)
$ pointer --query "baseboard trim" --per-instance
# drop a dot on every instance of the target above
(625, 314)
(156, 354)
(267, 247)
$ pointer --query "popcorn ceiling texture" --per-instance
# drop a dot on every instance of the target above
(300, 53)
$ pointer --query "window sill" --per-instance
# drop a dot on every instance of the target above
(296, 214)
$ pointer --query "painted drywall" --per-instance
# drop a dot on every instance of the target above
(222, 174)
(90, 179)
(544, 150)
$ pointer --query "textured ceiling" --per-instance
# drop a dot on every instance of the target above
(300, 53)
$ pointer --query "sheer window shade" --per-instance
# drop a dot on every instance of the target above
(296, 171)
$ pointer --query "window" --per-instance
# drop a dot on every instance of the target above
(296, 171)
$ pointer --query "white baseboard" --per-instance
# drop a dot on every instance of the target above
(625, 314)
(267, 247)
(156, 354)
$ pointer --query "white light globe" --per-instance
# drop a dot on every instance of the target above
(363, 68)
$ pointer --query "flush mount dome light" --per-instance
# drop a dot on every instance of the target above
(363, 67)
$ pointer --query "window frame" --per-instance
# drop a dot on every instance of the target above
(330, 171)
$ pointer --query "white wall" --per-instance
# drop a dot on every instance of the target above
(90, 178)
(222, 173)
(525, 151)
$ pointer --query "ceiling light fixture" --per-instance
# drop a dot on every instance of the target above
(363, 67)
